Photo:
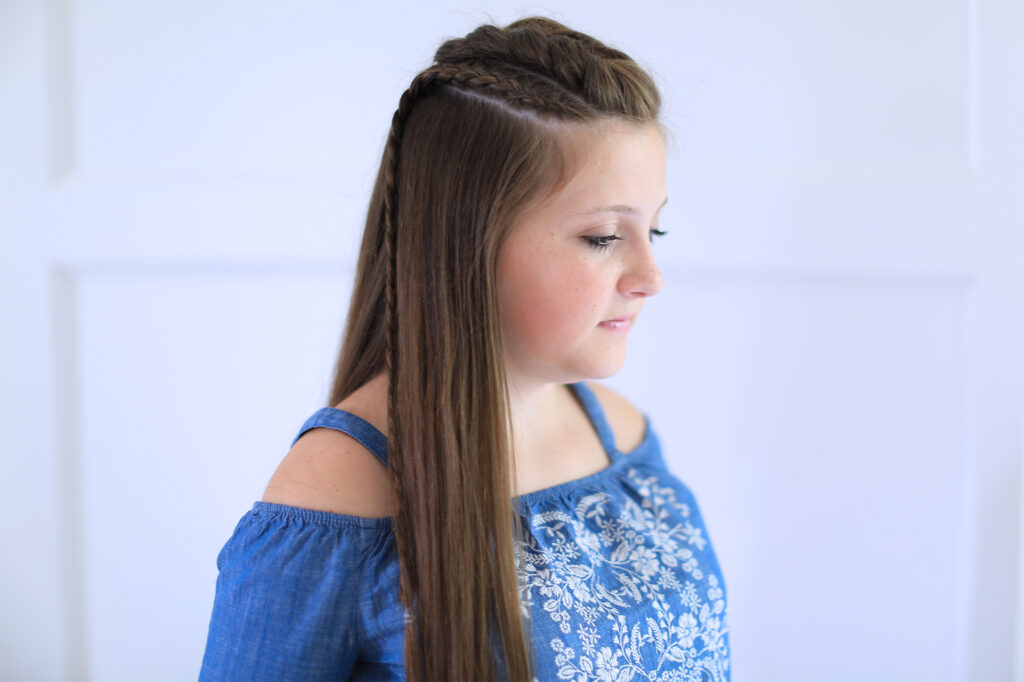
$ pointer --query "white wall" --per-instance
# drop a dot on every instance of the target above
(834, 363)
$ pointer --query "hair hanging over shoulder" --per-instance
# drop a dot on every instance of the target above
(477, 137)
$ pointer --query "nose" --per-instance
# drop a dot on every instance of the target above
(642, 278)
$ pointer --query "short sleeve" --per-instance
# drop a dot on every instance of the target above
(287, 603)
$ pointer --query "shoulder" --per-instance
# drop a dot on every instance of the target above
(626, 421)
(327, 470)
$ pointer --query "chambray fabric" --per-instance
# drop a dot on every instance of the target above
(617, 578)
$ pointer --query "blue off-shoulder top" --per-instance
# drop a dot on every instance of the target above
(618, 580)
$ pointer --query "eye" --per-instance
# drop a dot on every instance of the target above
(602, 243)
(658, 233)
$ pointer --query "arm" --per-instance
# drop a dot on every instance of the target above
(286, 605)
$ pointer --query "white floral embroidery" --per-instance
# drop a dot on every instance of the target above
(633, 565)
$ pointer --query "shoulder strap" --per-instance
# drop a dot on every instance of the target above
(346, 422)
(377, 443)
(596, 414)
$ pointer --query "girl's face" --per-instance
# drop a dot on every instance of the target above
(576, 269)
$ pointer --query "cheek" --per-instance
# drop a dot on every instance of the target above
(546, 300)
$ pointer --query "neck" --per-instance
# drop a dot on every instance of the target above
(537, 411)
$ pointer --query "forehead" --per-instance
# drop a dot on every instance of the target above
(618, 165)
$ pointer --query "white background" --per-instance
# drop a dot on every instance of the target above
(834, 364)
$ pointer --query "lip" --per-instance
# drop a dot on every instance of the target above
(618, 325)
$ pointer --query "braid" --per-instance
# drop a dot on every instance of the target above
(474, 78)
(596, 77)
(469, 76)
(494, 85)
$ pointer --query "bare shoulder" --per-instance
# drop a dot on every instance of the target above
(330, 471)
(627, 422)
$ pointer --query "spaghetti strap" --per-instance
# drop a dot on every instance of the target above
(596, 415)
(348, 423)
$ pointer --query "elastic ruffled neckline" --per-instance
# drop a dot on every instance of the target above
(638, 455)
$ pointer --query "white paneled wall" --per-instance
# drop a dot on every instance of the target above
(834, 364)
(181, 412)
(830, 407)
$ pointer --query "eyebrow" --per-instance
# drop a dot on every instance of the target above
(618, 208)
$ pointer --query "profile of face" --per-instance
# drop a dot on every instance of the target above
(577, 267)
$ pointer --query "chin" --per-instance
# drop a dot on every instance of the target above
(605, 374)
(603, 370)
(577, 366)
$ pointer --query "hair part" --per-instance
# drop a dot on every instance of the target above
(480, 136)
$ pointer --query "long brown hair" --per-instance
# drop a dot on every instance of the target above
(477, 136)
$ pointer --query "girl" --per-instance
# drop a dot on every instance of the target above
(514, 522)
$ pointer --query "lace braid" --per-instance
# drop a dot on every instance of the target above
(600, 78)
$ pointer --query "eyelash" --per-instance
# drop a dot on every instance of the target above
(603, 243)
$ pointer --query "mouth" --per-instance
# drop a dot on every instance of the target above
(619, 325)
